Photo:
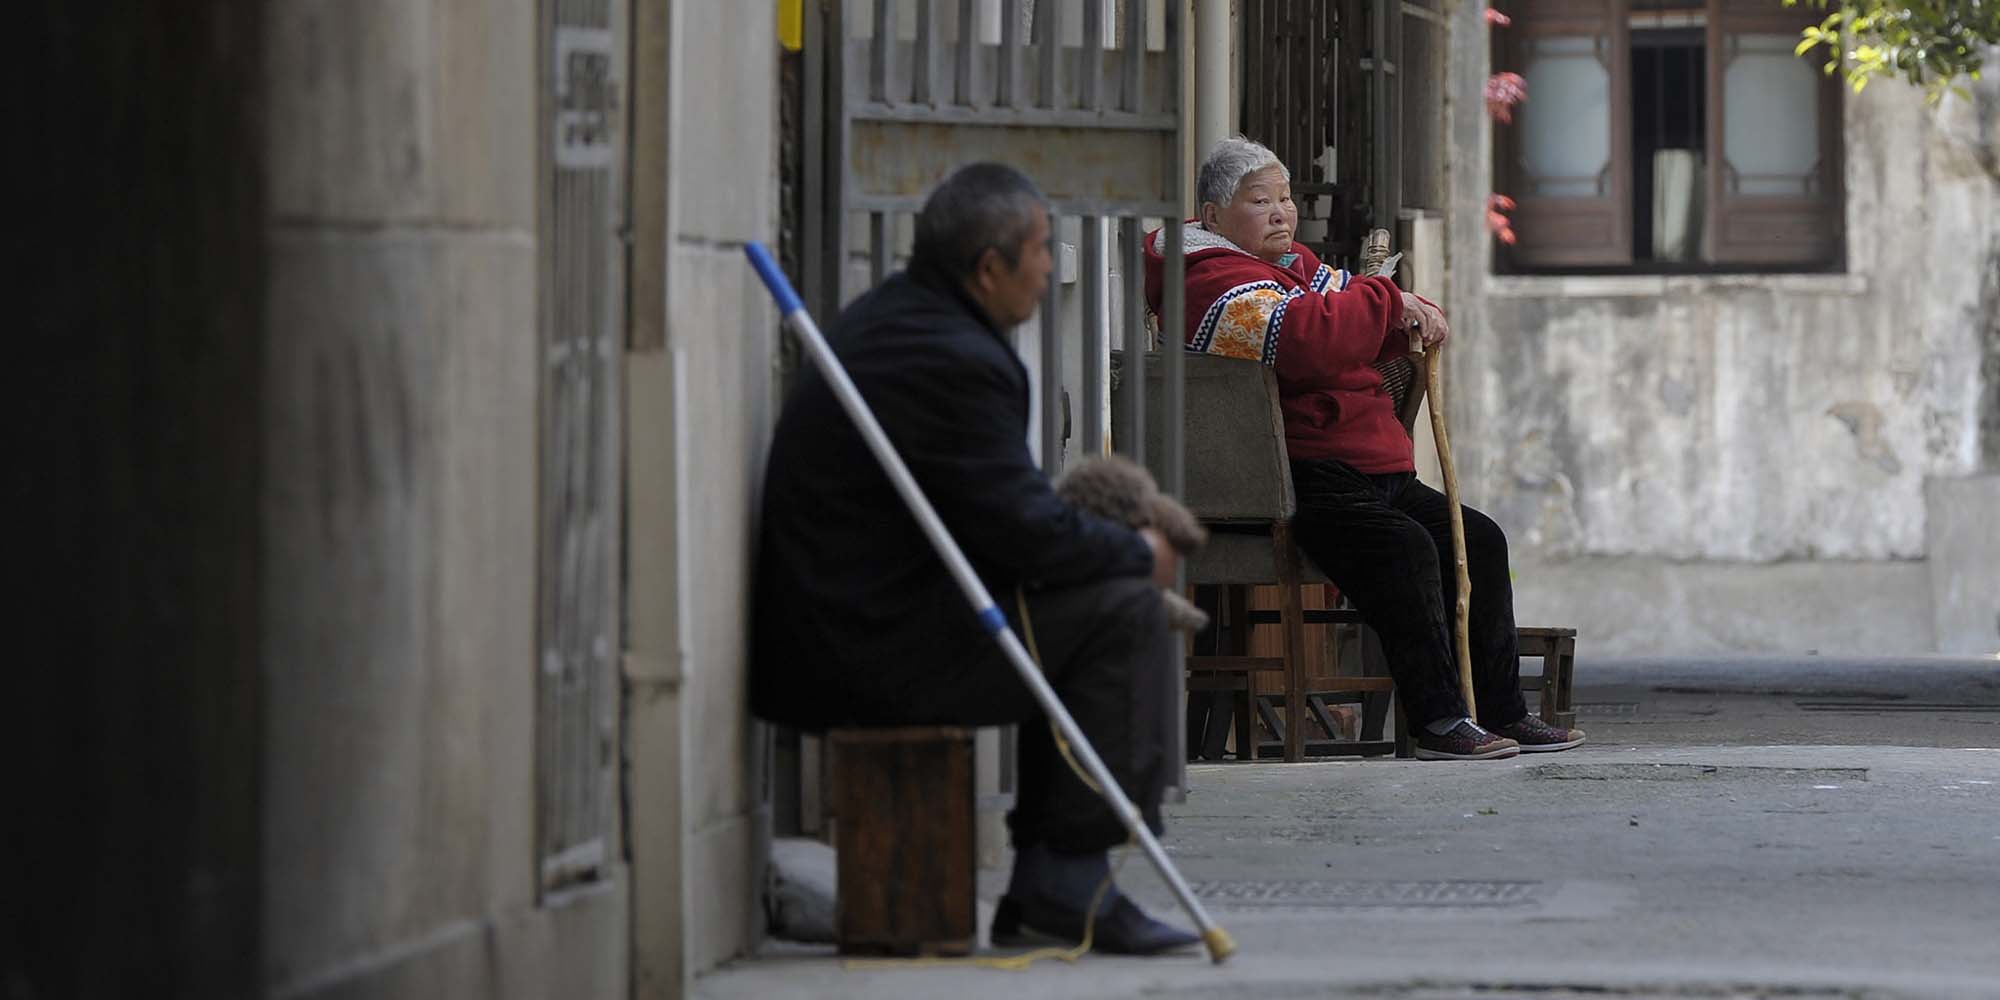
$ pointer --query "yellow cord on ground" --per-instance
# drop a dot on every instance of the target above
(1018, 963)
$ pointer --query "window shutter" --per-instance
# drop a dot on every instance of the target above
(1774, 118)
(1565, 160)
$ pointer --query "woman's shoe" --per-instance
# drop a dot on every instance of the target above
(1466, 741)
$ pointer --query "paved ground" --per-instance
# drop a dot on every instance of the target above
(1754, 828)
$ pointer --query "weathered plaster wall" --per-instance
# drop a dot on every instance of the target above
(398, 508)
(1745, 421)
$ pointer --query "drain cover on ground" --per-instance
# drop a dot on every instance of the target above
(1418, 989)
(1693, 772)
(1891, 706)
(1606, 709)
(1368, 893)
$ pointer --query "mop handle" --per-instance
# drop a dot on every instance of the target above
(1220, 946)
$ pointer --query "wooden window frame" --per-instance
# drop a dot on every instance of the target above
(1595, 234)
(1570, 232)
(1737, 229)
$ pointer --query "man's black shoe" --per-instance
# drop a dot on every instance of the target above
(1122, 930)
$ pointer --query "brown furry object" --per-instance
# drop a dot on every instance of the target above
(1124, 491)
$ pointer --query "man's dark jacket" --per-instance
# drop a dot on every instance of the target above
(856, 620)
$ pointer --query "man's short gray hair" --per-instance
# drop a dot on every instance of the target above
(1231, 160)
(985, 206)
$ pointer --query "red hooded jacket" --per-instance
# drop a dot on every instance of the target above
(1320, 331)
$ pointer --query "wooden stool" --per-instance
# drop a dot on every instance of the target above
(1557, 648)
(906, 852)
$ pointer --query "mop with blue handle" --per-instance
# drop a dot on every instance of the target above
(1220, 946)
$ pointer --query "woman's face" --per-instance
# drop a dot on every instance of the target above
(1261, 219)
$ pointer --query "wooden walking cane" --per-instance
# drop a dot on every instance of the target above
(1374, 260)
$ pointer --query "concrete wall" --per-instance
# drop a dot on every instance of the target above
(1964, 549)
(1742, 460)
(399, 509)
(700, 405)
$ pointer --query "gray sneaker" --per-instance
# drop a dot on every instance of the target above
(1465, 742)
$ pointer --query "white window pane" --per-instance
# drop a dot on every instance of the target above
(1770, 117)
(1566, 121)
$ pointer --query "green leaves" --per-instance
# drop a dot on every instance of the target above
(1929, 43)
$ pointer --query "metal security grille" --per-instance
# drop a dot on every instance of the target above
(1361, 135)
(1084, 96)
(582, 272)
(1306, 104)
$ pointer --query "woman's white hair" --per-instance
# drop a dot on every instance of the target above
(1231, 160)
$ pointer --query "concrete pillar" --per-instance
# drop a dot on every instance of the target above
(700, 405)
(1214, 40)
(1963, 540)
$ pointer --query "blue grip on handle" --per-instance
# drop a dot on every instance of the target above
(992, 620)
(774, 278)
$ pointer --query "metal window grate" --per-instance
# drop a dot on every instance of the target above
(1362, 136)
(575, 717)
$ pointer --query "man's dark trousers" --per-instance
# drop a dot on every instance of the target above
(1385, 541)
(1105, 649)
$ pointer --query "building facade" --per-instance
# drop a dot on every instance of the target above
(1769, 426)
(403, 402)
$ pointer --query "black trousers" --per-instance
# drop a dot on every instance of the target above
(1107, 653)
(1385, 541)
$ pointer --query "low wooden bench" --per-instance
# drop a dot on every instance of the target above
(1557, 649)
(903, 802)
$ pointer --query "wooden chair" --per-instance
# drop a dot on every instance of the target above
(1240, 484)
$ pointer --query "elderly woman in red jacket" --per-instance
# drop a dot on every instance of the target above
(1254, 292)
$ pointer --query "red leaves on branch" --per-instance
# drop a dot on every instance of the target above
(1497, 207)
(1503, 91)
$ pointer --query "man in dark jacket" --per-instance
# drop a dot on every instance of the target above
(857, 621)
